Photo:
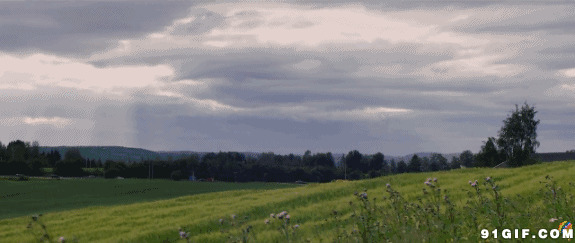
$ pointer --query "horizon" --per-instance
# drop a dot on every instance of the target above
(395, 77)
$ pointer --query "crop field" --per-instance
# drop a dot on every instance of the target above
(435, 206)
(20, 198)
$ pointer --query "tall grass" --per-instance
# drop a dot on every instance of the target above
(408, 209)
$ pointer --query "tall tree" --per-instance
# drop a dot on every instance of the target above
(414, 164)
(518, 136)
(466, 158)
(489, 155)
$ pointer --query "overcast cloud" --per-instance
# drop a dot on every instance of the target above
(285, 77)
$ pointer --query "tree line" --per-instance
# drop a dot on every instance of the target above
(20, 157)
(515, 146)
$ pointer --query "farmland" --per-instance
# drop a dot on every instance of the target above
(339, 211)
(47, 195)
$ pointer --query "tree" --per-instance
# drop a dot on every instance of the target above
(518, 136)
(376, 162)
(455, 163)
(401, 167)
(466, 158)
(414, 164)
(489, 155)
(353, 160)
(71, 165)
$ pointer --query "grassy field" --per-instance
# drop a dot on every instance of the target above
(20, 198)
(368, 210)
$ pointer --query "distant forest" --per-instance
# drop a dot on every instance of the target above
(19, 157)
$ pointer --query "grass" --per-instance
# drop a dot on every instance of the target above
(330, 212)
(20, 198)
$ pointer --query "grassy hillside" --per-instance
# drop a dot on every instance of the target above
(19, 198)
(330, 212)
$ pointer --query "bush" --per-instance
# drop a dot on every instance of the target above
(69, 168)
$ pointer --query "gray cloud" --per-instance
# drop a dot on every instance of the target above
(445, 86)
(80, 28)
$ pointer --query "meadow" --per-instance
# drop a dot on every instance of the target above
(434, 207)
(20, 198)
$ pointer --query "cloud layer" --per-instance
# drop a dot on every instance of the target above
(284, 77)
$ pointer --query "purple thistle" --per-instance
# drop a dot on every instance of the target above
(434, 179)
(61, 239)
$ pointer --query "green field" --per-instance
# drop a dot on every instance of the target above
(329, 212)
(20, 198)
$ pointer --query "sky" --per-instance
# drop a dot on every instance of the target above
(284, 76)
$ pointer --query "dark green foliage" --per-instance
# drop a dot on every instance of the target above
(489, 155)
(21, 158)
(401, 167)
(466, 158)
(414, 164)
(518, 136)
(455, 164)
(69, 168)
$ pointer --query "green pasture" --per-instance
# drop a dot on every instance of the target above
(322, 212)
(20, 198)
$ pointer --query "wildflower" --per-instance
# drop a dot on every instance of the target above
(388, 185)
(233, 216)
(61, 239)
(434, 179)
(267, 221)
(183, 234)
(272, 215)
(474, 184)
(427, 183)
(296, 226)
(221, 221)
(551, 220)
(488, 178)
(470, 182)
(287, 216)
(363, 195)
(281, 215)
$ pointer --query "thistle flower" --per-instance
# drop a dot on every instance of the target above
(427, 183)
(183, 234)
(272, 215)
(470, 182)
(221, 221)
(474, 184)
(388, 185)
(233, 216)
(363, 195)
(434, 179)
(267, 221)
(296, 226)
(287, 216)
(61, 239)
(488, 178)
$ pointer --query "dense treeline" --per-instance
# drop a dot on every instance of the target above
(20, 157)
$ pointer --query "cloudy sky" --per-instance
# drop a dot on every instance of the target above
(398, 77)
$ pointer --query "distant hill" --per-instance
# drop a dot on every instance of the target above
(118, 153)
